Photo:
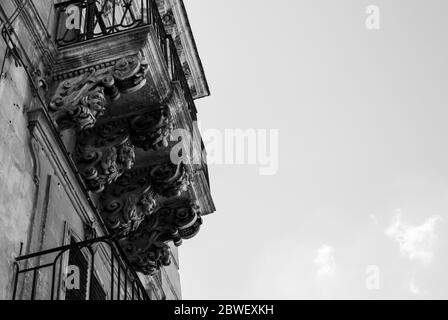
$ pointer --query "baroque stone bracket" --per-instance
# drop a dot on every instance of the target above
(80, 101)
(126, 203)
(147, 248)
(170, 180)
(105, 152)
(132, 197)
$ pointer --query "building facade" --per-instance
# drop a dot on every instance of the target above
(100, 180)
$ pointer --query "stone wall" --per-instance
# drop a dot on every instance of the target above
(16, 169)
(36, 197)
(39, 194)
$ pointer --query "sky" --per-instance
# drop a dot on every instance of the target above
(358, 208)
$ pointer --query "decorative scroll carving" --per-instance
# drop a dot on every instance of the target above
(130, 74)
(192, 231)
(152, 130)
(147, 248)
(106, 151)
(170, 180)
(168, 18)
(126, 203)
(79, 102)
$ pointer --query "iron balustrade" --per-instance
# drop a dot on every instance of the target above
(83, 20)
(44, 275)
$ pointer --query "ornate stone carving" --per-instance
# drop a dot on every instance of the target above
(80, 101)
(152, 130)
(191, 232)
(106, 151)
(147, 248)
(130, 74)
(103, 154)
(132, 197)
(126, 203)
(170, 180)
(168, 18)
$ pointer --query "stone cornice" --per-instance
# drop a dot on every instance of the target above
(99, 53)
(200, 189)
(104, 52)
(176, 21)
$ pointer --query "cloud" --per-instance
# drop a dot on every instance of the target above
(416, 242)
(324, 261)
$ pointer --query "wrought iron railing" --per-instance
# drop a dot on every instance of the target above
(45, 275)
(82, 20)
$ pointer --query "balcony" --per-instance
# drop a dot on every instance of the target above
(120, 90)
(97, 34)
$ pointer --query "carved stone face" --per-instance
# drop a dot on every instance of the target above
(136, 209)
(147, 247)
(127, 157)
(148, 204)
(97, 102)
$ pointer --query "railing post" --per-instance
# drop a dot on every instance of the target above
(90, 18)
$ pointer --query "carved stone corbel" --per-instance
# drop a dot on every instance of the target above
(147, 248)
(105, 152)
(79, 104)
(152, 130)
(170, 180)
(80, 101)
(126, 203)
(130, 73)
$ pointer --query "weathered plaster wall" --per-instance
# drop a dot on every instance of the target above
(34, 219)
(16, 170)
(35, 199)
